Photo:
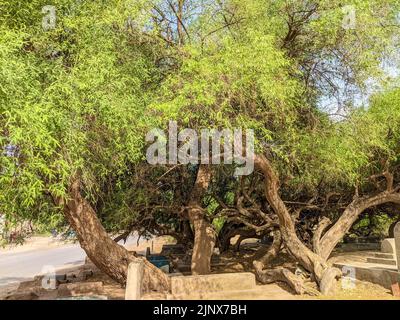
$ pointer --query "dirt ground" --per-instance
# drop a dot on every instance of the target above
(361, 290)
(231, 262)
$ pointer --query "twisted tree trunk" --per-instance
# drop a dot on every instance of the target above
(315, 262)
(307, 258)
(104, 252)
(265, 274)
(336, 233)
(204, 242)
(228, 231)
(204, 233)
(268, 254)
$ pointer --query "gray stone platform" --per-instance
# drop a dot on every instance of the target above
(383, 275)
(212, 283)
(381, 268)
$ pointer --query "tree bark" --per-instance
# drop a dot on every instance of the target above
(336, 233)
(265, 274)
(204, 233)
(104, 252)
(187, 233)
(227, 232)
(179, 22)
(316, 240)
(310, 261)
(315, 262)
(283, 275)
(269, 253)
(307, 258)
(243, 235)
(204, 242)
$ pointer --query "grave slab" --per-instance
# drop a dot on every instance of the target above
(384, 275)
(212, 283)
(388, 246)
(390, 262)
(134, 279)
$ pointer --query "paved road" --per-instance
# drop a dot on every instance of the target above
(22, 266)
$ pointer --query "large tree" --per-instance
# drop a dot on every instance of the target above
(73, 99)
(272, 67)
(77, 99)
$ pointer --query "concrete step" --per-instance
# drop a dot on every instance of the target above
(264, 292)
(345, 247)
(187, 285)
(383, 255)
(381, 274)
(390, 262)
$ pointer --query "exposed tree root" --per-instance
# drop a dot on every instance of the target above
(296, 283)
(329, 280)
(105, 253)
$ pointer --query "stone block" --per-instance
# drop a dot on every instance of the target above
(388, 246)
(389, 262)
(397, 245)
(212, 283)
(384, 276)
(134, 281)
(384, 255)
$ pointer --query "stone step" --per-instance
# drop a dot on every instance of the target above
(381, 274)
(185, 285)
(390, 262)
(383, 255)
(263, 292)
(358, 246)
